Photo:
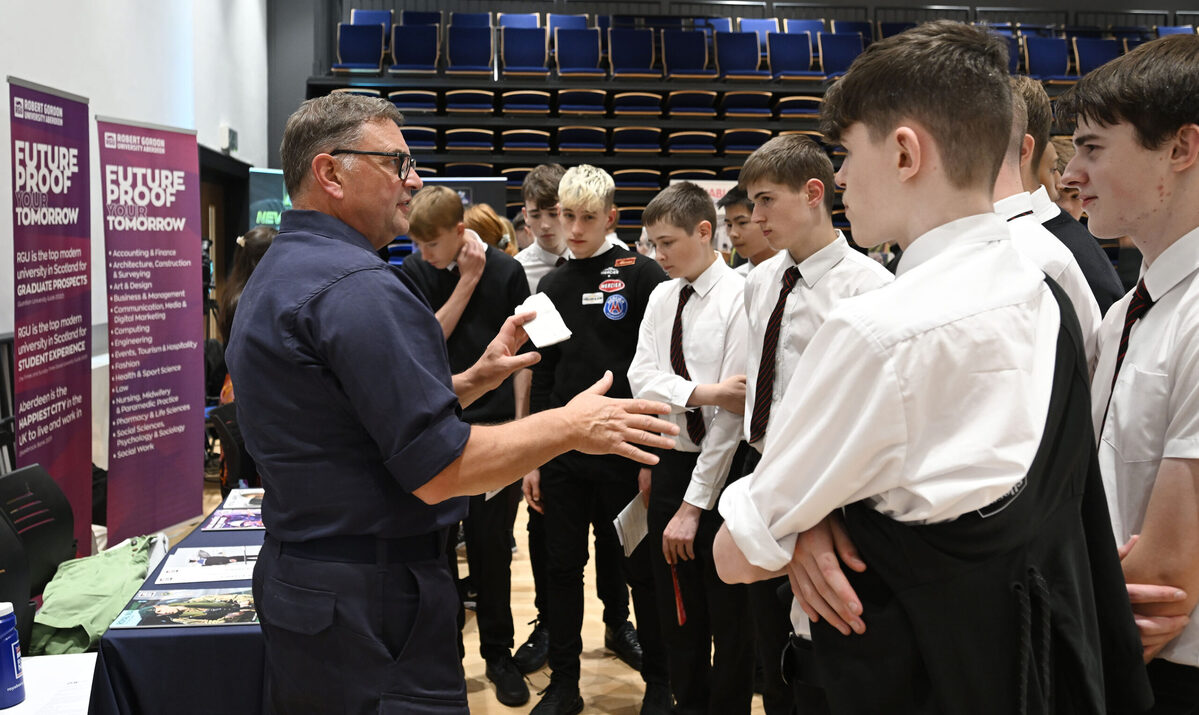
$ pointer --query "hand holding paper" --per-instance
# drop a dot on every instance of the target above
(547, 328)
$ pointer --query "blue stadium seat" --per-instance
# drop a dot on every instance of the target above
(469, 51)
(691, 103)
(1046, 59)
(1131, 44)
(629, 217)
(1163, 30)
(359, 49)
(631, 54)
(420, 17)
(1015, 53)
(638, 140)
(685, 55)
(525, 101)
(519, 19)
(1132, 32)
(1001, 28)
(637, 104)
(759, 26)
(1090, 31)
(581, 101)
(737, 56)
(743, 141)
(515, 176)
(862, 27)
(469, 101)
(663, 22)
(556, 20)
(374, 17)
(712, 25)
(798, 106)
(414, 100)
(692, 175)
(425, 172)
(470, 19)
(578, 53)
(525, 51)
(837, 52)
(581, 138)
(637, 180)
(525, 140)
(469, 139)
(793, 25)
(468, 168)
(360, 91)
(691, 142)
(423, 138)
(414, 49)
(789, 56)
(1090, 53)
(747, 104)
(730, 173)
(888, 29)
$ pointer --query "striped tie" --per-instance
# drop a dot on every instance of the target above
(1137, 307)
(695, 417)
(764, 389)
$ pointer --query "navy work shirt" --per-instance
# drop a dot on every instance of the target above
(344, 394)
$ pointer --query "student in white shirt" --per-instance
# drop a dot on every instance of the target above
(539, 191)
(691, 354)
(1034, 241)
(745, 235)
(1137, 172)
(919, 409)
(790, 179)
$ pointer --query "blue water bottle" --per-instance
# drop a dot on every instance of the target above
(12, 679)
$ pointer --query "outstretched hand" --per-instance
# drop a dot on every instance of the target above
(612, 426)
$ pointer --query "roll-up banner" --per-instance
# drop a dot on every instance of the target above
(52, 308)
(151, 195)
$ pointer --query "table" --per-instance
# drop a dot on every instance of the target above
(183, 669)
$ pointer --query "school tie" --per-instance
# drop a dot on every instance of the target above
(764, 390)
(560, 261)
(1137, 307)
(695, 417)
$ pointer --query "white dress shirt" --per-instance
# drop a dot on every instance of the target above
(537, 262)
(1036, 243)
(714, 338)
(927, 396)
(826, 277)
(745, 268)
(1154, 410)
(1043, 206)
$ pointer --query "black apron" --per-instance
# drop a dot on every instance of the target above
(1019, 607)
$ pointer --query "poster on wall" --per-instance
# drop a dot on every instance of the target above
(151, 195)
(52, 314)
(716, 188)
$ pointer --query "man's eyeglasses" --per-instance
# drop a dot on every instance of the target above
(404, 162)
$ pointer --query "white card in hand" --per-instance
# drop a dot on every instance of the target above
(547, 328)
(631, 525)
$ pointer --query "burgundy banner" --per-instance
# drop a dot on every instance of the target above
(151, 191)
(52, 270)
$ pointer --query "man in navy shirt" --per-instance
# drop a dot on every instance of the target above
(346, 402)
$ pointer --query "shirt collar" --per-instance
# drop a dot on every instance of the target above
(813, 268)
(322, 224)
(1173, 265)
(709, 278)
(548, 257)
(1043, 205)
(607, 246)
(979, 228)
(1014, 206)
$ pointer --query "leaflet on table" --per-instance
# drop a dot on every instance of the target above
(189, 607)
(214, 563)
(244, 499)
(234, 519)
(631, 526)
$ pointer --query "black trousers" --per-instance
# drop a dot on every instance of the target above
(799, 668)
(576, 490)
(610, 585)
(1175, 688)
(358, 638)
(711, 654)
(771, 618)
(488, 532)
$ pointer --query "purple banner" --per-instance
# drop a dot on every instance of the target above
(52, 270)
(151, 185)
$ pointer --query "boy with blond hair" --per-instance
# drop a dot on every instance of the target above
(471, 299)
(691, 355)
(946, 416)
(601, 294)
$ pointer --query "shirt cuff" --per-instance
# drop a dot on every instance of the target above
(750, 532)
(680, 393)
(700, 495)
(1181, 449)
(438, 445)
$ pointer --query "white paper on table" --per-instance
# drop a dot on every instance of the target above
(631, 526)
(59, 684)
(547, 328)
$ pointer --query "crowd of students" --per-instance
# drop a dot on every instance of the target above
(977, 475)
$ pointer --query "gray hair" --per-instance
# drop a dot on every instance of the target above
(326, 123)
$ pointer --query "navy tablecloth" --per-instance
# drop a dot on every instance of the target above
(183, 669)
